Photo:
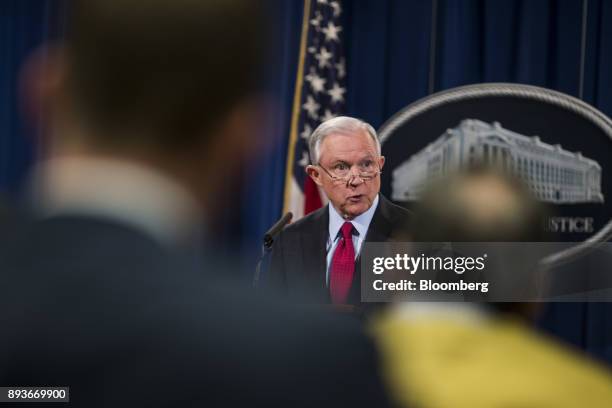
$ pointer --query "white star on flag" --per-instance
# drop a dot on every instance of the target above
(317, 83)
(316, 22)
(304, 161)
(331, 32)
(328, 115)
(306, 132)
(336, 6)
(323, 57)
(312, 107)
(341, 68)
(337, 93)
(310, 75)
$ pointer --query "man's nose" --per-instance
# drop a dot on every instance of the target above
(355, 179)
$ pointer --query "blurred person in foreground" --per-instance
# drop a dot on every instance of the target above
(153, 107)
(319, 254)
(441, 354)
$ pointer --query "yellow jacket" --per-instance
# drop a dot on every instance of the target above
(437, 361)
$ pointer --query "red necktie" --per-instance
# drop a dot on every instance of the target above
(342, 266)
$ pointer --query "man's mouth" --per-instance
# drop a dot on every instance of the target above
(355, 198)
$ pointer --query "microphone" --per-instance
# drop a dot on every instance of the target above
(268, 239)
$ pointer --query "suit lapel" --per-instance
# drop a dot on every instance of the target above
(381, 225)
(314, 248)
(379, 231)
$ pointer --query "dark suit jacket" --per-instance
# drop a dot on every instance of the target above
(103, 308)
(298, 260)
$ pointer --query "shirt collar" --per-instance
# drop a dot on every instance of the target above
(361, 222)
(123, 191)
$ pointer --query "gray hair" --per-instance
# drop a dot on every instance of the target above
(345, 125)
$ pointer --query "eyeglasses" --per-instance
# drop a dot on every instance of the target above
(342, 172)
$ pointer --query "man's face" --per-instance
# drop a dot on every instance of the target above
(354, 196)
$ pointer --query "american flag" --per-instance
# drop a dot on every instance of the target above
(319, 95)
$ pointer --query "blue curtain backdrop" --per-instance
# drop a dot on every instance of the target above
(24, 25)
(397, 52)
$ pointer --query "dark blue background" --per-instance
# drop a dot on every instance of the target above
(398, 51)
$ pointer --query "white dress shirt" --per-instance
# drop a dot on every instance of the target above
(361, 224)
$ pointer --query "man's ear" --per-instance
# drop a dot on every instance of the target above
(314, 173)
(42, 85)
(244, 130)
(381, 162)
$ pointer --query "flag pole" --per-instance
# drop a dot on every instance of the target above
(297, 99)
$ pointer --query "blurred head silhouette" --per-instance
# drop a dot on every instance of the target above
(486, 204)
(478, 204)
(167, 84)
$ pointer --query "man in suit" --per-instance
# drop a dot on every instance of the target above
(319, 254)
(150, 117)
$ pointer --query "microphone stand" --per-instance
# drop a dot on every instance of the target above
(268, 241)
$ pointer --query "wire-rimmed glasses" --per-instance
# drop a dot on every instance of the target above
(343, 173)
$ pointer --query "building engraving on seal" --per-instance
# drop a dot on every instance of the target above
(555, 175)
